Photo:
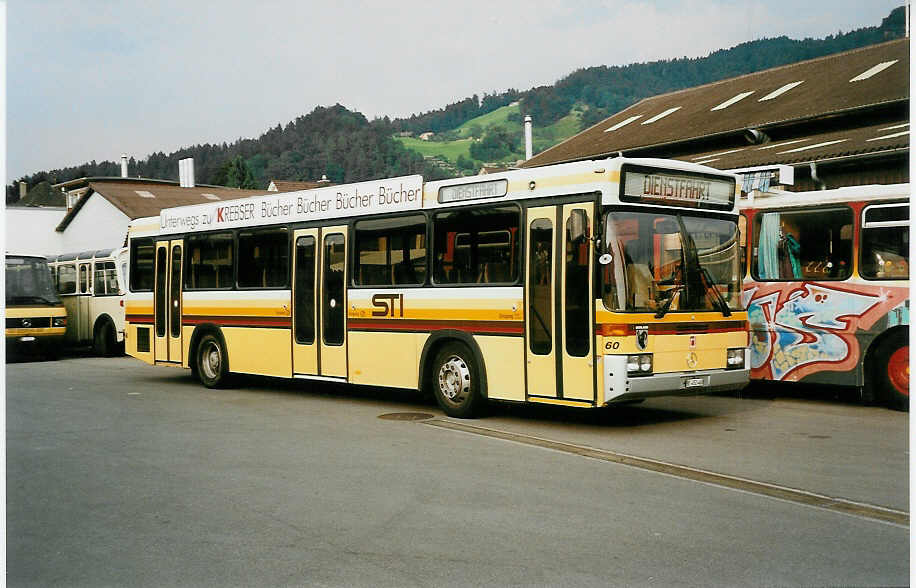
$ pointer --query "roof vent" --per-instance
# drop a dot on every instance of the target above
(210, 196)
(731, 101)
(873, 71)
(780, 91)
(623, 123)
(144, 194)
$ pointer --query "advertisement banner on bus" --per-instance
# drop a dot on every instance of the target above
(373, 197)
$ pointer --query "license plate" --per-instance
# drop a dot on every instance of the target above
(694, 382)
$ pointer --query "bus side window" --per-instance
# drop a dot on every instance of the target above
(141, 265)
(803, 245)
(66, 279)
(885, 242)
(84, 278)
(264, 258)
(476, 246)
(391, 251)
(210, 261)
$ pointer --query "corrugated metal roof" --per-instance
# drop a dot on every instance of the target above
(802, 91)
(294, 186)
(812, 147)
(140, 199)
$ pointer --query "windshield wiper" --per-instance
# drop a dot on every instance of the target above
(692, 257)
(711, 286)
(667, 305)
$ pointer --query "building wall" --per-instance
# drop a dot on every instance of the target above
(98, 225)
(31, 229)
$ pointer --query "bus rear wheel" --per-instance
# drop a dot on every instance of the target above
(892, 367)
(455, 381)
(211, 361)
(104, 340)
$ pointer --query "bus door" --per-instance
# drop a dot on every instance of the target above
(167, 297)
(83, 300)
(558, 289)
(319, 302)
(305, 311)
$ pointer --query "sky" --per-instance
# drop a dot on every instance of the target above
(90, 80)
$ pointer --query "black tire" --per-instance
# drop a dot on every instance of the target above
(454, 379)
(890, 371)
(212, 361)
(104, 340)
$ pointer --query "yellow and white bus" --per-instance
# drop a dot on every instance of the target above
(35, 317)
(91, 285)
(582, 284)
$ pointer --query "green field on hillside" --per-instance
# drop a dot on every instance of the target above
(448, 149)
(542, 137)
(497, 117)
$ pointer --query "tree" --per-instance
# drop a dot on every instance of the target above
(497, 144)
(235, 173)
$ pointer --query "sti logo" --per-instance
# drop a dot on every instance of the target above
(391, 305)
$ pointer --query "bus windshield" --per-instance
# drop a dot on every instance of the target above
(661, 262)
(28, 281)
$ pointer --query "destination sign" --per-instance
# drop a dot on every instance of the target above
(678, 190)
(375, 197)
(461, 192)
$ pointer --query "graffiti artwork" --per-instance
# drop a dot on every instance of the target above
(801, 328)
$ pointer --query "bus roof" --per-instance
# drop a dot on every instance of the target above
(96, 254)
(410, 193)
(834, 196)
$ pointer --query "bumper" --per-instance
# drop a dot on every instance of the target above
(24, 342)
(618, 387)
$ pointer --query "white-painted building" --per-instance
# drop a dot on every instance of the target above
(31, 229)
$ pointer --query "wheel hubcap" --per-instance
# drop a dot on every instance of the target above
(210, 363)
(454, 379)
(898, 370)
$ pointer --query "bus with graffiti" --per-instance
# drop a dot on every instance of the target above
(827, 288)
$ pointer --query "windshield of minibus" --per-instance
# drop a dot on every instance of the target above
(28, 281)
(662, 262)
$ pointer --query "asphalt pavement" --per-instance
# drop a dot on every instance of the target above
(123, 474)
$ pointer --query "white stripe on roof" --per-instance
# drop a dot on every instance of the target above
(144, 194)
(731, 101)
(873, 70)
(718, 154)
(780, 91)
(773, 146)
(815, 146)
(623, 123)
(894, 136)
(660, 116)
(705, 161)
(895, 127)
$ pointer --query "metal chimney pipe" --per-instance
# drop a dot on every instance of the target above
(186, 172)
(123, 165)
(528, 136)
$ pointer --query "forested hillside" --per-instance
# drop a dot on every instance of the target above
(347, 147)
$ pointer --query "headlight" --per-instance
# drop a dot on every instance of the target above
(734, 359)
(60, 321)
(639, 365)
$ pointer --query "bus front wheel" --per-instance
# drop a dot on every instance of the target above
(892, 367)
(455, 381)
(212, 362)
